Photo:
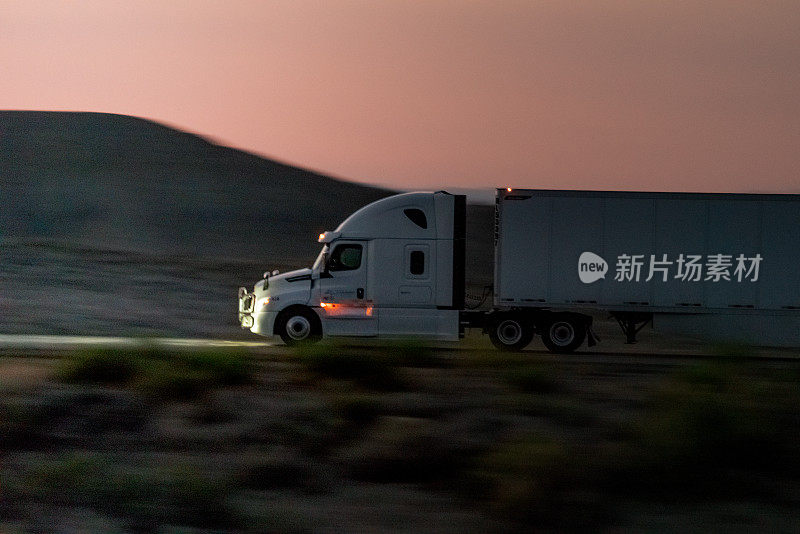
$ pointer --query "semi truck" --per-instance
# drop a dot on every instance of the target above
(719, 266)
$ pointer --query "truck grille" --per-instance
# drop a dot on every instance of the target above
(246, 302)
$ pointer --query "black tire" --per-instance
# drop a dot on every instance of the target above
(298, 325)
(564, 333)
(511, 333)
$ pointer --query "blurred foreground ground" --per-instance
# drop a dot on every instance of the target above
(401, 438)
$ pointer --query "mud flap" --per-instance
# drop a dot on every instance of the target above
(591, 337)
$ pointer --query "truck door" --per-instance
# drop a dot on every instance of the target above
(346, 307)
(416, 290)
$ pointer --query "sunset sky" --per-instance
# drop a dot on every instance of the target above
(638, 95)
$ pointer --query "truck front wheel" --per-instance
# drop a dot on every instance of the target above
(298, 325)
(564, 333)
(511, 333)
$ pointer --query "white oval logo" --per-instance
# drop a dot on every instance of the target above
(591, 267)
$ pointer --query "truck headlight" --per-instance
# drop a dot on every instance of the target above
(262, 303)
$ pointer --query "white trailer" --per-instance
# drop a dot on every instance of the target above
(719, 265)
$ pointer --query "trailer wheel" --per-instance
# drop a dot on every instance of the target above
(510, 333)
(564, 333)
(298, 325)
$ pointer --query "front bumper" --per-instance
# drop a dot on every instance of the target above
(258, 322)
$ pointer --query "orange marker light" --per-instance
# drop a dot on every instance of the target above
(508, 189)
(321, 237)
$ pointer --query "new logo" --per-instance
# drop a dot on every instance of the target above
(591, 267)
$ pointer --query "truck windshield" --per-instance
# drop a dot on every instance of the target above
(318, 263)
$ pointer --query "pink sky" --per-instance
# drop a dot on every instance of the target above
(640, 95)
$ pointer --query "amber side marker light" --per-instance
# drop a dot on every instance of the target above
(337, 309)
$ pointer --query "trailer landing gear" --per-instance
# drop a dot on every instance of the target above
(631, 323)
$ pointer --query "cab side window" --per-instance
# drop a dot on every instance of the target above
(346, 257)
(417, 263)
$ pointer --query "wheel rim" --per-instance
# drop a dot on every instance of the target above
(298, 327)
(562, 333)
(509, 332)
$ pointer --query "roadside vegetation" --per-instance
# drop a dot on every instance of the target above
(157, 371)
(148, 439)
(722, 430)
(365, 368)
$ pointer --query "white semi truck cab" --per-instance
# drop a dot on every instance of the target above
(719, 266)
(394, 268)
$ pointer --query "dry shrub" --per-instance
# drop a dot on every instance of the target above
(369, 369)
(157, 371)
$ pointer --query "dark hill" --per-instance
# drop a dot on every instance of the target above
(125, 183)
(113, 225)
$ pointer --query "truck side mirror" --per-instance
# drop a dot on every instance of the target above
(325, 273)
(323, 269)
